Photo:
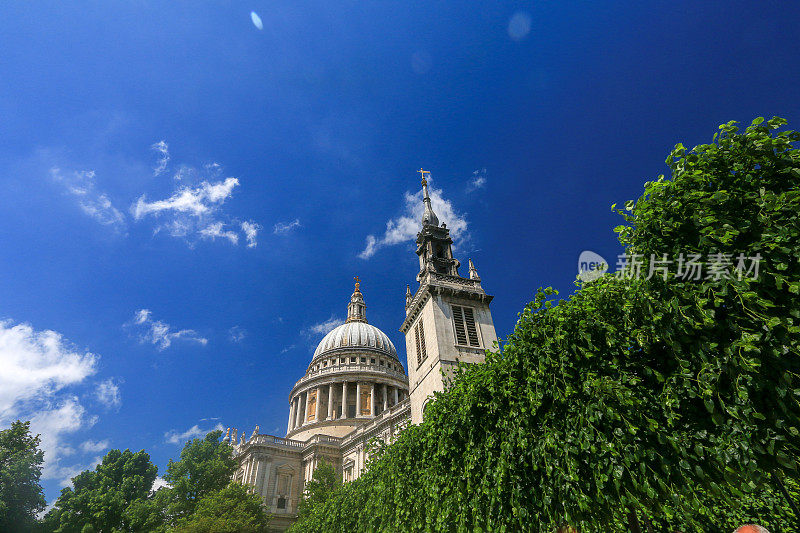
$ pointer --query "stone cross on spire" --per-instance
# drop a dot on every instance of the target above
(428, 217)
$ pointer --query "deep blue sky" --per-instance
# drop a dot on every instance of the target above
(322, 116)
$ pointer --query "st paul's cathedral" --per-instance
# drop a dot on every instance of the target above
(356, 387)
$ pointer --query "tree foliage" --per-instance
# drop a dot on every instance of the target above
(206, 465)
(231, 509)
(319, 489)
(200, 497)
(668, 403)
(21, 496)
(99, 499)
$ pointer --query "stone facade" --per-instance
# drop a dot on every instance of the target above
(355, 388)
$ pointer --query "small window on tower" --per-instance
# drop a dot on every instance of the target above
(464, 326)
(419, 336)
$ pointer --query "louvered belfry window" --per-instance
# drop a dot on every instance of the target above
(419, 335)
(465, 328)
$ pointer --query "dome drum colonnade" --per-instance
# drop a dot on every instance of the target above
(355, 374)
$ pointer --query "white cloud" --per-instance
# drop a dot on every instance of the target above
(160, 333)
(158, 483)
(251, 230)
(195, 201)
(477, 181)
(282, 228)
(37, 364)
(107, 393)
(81, 185)
(322, 328)
(215, 230)
(163, 151)
(36, 369)
(288, 349)
(195, 211)
(405, 227)
(52, 425)
(91, 446)
(175, 437)
(236, 334)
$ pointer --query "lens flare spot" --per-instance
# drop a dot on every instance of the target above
(256, 20)
(519, 25)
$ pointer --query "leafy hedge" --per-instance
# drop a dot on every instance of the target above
(666, 404)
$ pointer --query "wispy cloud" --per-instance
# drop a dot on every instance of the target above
(159, 333)
(283, 228)
(107, 393)
(324, 327)
(163, 151)
(194, 209)
(236, 334)
(405, 227)
(81, 185)
(91, 446)
(477, 181)
(289, 348)
(37, 371)
(176, 437)
(215, 230)
(194, 201)
(251, 230)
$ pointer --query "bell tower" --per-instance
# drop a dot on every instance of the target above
(447, 319)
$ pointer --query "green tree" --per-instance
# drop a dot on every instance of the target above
(231, 509)
(149, 514)
(664, 403)
(99, 498)
(21, 460)
(319, 488)
(206, 465)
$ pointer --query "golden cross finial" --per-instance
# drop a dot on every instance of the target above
(422, 173)
(358, 283)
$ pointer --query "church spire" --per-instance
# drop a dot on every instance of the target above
(357, 309)
(428, 217)
(434, 245)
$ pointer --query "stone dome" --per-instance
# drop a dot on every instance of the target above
(356, 336)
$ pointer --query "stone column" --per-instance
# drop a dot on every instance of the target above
(305, 412)
(396, 396)
(358, 399)
(372, 399)
(254, 472)
(344, 400)
(318, 414)
(265, 480)
(330, 401)
(298, 409)
(385, 396)
(291, 416)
